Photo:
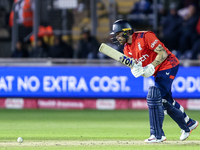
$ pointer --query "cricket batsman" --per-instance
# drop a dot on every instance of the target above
(154, 59)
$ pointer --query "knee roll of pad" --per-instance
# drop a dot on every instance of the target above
(154, 96)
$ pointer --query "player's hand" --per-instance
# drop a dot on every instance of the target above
(137, 70)
(148, 70)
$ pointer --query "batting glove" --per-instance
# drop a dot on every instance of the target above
(148, 70)
(137, 70)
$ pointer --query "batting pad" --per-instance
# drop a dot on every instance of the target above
(156, 114)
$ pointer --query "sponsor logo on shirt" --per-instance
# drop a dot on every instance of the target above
(143, 58)
(154, 43)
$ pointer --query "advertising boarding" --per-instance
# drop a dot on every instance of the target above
(89, 82)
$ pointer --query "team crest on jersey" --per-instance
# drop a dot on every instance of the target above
(139, 46)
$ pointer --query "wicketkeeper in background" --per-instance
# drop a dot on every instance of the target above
(154, 59)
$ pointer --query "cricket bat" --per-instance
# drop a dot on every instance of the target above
(114, 54)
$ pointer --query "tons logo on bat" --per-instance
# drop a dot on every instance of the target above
(113, 53)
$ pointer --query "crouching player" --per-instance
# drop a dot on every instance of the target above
(154, 59)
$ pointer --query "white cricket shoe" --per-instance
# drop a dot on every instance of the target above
(163, 138)
(184, 135)
(194, 125)
(153, 139)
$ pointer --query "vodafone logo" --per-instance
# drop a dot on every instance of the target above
(14, 103)
(105, 104)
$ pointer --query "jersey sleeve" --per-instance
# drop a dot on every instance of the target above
(151, 41)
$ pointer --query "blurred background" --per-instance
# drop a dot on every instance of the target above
(49, 49)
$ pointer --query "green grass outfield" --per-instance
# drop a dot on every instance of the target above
(88, 129)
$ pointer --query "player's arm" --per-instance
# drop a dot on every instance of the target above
(161, 55)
